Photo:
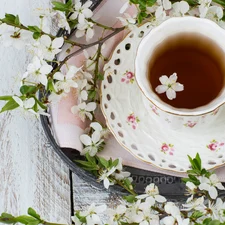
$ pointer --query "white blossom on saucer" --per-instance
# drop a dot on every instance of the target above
(169, 85)
(81, 12)
(83, 110)
(66, 82)
(203, 7)
(98, 127)
(128, 21)
(61, 20)
(85, 28)
(91, 214)
(105, 177)
(91, 143)
(37, 71)
(197, 204)
(116, 215)
(214, 13)
(210, 184)
(11, 36)
(152, 191)
(179, 8)
(50, 48)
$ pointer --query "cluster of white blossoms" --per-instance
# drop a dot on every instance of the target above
(153, 209)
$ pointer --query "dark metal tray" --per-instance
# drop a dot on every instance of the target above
(169, 186)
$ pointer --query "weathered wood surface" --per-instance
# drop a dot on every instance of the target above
(31, 173)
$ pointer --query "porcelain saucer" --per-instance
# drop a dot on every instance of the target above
(133, 120)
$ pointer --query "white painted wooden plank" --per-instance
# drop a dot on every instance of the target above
(31, 173)
(84, 194)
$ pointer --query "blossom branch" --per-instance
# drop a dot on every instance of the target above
(101, 25)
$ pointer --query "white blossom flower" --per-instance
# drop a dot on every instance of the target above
(98, 127)
(105, 177)
(77, 221)
(217, 210)
(66, 82)
(81, 11)
(91, 143)
(210, 184)
(61, 20)
(11, 36)
(45, 15)
(26, 104)
(85, 28)
(203, 7)
(197, 204)
(83, 110)
(82, 91)
(90, 61)
(214, 13)
(133, 211)
(116, 215)
(147, 217)
(37, 71)
(160, 16)
(179, 8)
(50, 48)
(174, 215)
(152, 191)
(169, 85)
(191, 188)
(91, 214)
(128, 21)
(119, 174)
(166, 4)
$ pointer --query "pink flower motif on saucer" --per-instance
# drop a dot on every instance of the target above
(215, 145)
(154, 110)
(190, 124)
(128, 77)
(167, 148)
(133, 120)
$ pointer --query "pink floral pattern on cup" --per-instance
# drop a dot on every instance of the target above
(215, 145)
(128, 77)
(215, 112)
(167, 148)
(190, 124)
(133, 120)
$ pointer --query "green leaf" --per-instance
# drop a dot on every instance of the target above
(10, 105)
(40, 103)
(115, 162)
(100, 76)
(36, 35)
(25, 89)
(130, 198)
(92, 94)
(7, 218)
(214, 222)
(90, 159)
(9, 18)
(50, 86)
(17, 20)
(5, 98)
(33, 213)
(34, 29)
(221, 2)
(196, 214)
(63, 7)
(86, 164)
(26, 219)
(104, 162)
(206, 221)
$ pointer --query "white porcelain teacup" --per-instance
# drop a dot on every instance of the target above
(178, 118)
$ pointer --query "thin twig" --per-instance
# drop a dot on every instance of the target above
(101, 41)
(102, 25)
